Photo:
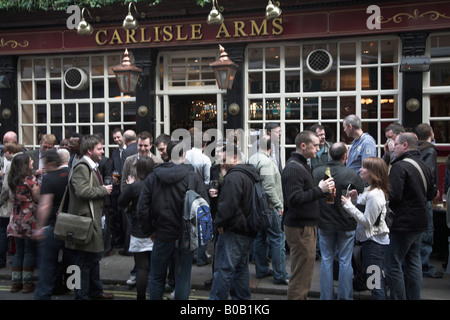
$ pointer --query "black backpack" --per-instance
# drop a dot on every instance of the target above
(260, 217)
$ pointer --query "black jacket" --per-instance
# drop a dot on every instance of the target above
(236, 200)
(428, 154)
(407, 197)
(160, 205)
(130, 196)
(300, 193)
(333, 216)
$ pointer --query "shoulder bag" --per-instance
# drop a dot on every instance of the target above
(73, 228)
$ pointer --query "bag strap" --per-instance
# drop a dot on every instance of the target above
(63, 200)
(91, 204)
(191, 179)
(415, 164)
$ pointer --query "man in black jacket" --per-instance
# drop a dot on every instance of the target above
(301, 195)
(159, 211)
(428, 154)
(337, 227)
(235, 241)
(408, 196)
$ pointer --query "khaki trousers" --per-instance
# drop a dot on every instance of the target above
(302, 245)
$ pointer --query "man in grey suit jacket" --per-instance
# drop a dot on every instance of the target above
(85, 185)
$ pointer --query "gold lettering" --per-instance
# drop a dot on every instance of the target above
(97, 37)
(258, 30)
(116, 37)
(239, 29)
(196, 31)
(168, 36)
(143, 40)
(179, 27)
(130, 36)
(157, 34)
(223, 29)
(277, 26)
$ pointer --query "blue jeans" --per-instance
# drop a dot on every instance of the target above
(3, 241)
(161, 255)
(231, 275)
(427, 243)
(23, 260)
(276, 242)
(48, 251)
(340, 242)
(404, 266)
(373, 254)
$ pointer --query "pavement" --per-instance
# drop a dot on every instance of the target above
(115, 269)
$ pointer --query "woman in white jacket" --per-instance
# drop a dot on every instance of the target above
(372, 230)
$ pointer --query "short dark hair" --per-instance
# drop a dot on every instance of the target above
(396, 128)
(337, 150)
(144, 135)
(316, 126)
(51, 155)
(271, 125)
(89, 142)
(304, 137)
(423, 131)
(164, 138)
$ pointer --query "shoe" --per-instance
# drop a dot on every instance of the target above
(208, 283)
(104, 296)
(268, 274)
(435, 275)
(109, 253)
(131, 281)
(28, 287)
(16, 287)
(284, 282)
(169, 288)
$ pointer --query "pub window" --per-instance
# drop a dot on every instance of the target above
(436, 98)
(322, 82)
(68, 94)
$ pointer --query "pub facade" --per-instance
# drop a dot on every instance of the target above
(385, 61)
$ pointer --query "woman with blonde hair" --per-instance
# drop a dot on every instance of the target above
(372, 230)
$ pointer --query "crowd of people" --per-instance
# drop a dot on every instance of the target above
(330, 200)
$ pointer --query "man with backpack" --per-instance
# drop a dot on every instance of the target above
(235, 241)
(272, 238)
(160, 213)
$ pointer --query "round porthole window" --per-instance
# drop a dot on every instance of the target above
(76, 79)
(319, 61)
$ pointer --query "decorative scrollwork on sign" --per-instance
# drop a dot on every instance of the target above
(398, 18)
(13, 44)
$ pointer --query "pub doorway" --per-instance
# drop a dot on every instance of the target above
(185, 109)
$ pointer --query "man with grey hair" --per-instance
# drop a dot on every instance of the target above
(411, 186)
(363, 145)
